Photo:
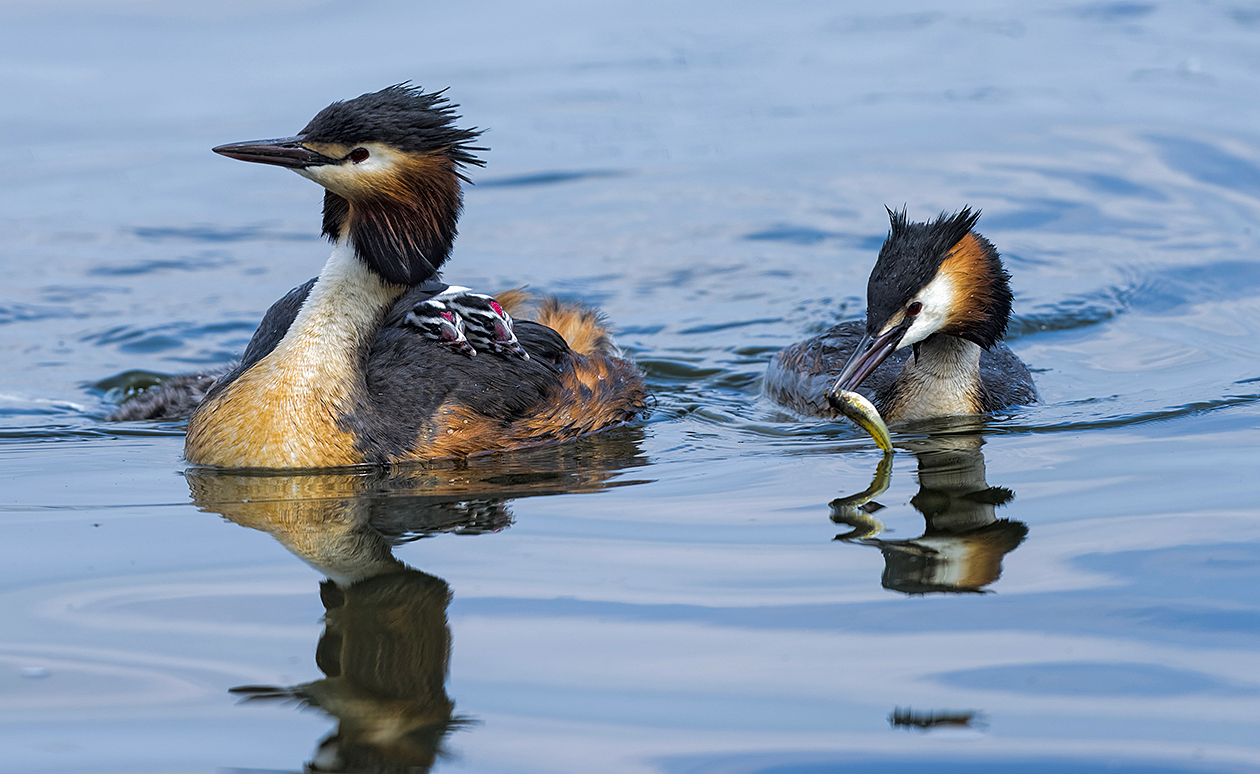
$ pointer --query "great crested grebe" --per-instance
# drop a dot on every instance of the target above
(937, 304)
(374, 360)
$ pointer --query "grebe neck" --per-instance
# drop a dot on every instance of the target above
(342, 313)
(941, 379)
(288, 410)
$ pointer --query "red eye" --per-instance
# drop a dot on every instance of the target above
(914, 309)
(358, 154)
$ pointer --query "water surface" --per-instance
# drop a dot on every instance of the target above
(1069, 586)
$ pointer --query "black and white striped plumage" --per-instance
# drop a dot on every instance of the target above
(439, 322)
(486, 324)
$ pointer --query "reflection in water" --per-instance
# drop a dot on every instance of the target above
(963, 541)
(936, 719)
(386, 645)
(385, 653)
(858, 510)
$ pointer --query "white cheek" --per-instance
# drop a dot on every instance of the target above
(337, 178)
(318, 174)
(378, 161)
(340, 178)
(936, 297)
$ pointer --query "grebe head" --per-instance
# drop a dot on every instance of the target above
(391, 163)
(939, 277)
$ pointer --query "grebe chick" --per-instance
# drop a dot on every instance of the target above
(486, 324)
(937, 305)
(435, 319)
(353, 367)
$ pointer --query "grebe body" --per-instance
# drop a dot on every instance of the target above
(357, 365)
(938, 303)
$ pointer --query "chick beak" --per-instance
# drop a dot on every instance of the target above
(284, 152)
(870, 352)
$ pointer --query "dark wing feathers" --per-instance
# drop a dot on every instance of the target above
(411, 379)
(177, 397)
(800, 375)
(275, 323)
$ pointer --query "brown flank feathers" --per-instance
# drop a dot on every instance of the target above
(598, 389)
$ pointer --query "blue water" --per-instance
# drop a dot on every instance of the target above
(669, 597)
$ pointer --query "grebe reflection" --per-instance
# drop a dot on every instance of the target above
(386, 647)
(963, 541)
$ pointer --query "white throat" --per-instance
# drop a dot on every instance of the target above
(943, 380)
(341, 311)
(286, 410)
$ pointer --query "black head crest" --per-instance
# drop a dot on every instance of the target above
(402, 116)
(911, 257)
(404, 230)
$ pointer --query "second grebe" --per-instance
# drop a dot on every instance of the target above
(375, 361)
(937, 304)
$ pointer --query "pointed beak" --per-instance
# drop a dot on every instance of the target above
(870, 352)
(286, 152)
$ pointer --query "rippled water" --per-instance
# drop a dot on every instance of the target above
(1070, 586)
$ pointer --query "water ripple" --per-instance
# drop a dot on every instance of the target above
(221, 234)
(217, 348)
(188, 263)
(722, 326)
(1122, 11)
(1209, 164)
(547, 178)
(1094, 679)
(17, 312)
(808, 235)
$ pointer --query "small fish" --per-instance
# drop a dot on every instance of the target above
(863, 413)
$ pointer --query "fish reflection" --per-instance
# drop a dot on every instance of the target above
(938, 719)
(386, 647)
(963, 542)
